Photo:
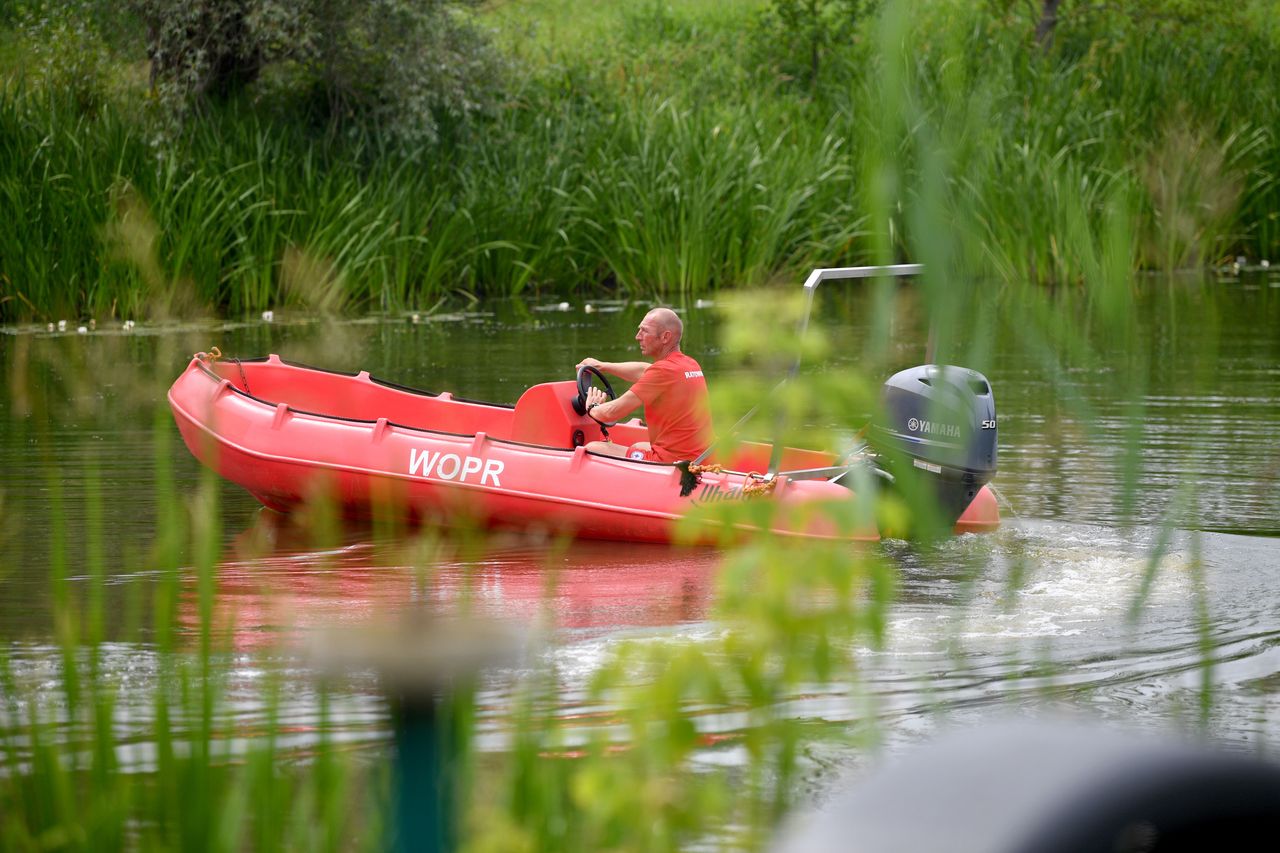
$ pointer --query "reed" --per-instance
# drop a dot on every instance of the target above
(110, 759)
(648, 149)
(96, 763)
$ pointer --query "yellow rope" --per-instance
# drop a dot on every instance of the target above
(212, 355)
(754, 485)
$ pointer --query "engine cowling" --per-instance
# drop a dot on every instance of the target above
(940, 420)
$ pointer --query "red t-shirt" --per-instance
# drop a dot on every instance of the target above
(676, 407)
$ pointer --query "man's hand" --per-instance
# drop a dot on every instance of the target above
(608, 411)
(596, 408)
(590, 362)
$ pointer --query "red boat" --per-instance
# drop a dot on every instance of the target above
(284, 431)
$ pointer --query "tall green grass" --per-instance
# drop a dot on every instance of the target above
(551, 206)
(659, 153)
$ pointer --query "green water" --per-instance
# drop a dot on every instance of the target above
(83, 408)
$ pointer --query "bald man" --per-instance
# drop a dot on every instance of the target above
(671, 389)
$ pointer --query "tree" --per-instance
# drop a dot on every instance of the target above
(808, 29)
(1048, 20)
(201, 47)
(406, 67)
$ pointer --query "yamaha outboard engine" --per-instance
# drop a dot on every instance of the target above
(940, 421)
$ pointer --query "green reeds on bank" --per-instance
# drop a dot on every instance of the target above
(708, 204)
(662, 155)
(681, 199)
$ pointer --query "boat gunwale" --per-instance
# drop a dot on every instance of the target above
(426, 430)
(386, 383)
(433, 394)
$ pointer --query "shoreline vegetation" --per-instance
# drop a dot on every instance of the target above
(662, 149)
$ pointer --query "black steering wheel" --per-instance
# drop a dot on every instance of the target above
(585, 374)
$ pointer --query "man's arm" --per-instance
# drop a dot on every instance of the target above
(613, 410)
(628, 371)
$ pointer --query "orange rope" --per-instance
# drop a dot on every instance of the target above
(754, 485)
(705, 469)
(212, 355)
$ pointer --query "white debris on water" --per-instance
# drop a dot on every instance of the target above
(554, 306)
(268, 316)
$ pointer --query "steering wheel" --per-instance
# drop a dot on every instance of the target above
(585, 374)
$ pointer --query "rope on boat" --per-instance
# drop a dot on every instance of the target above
(243, 378)
(214, 354)
(691, 475)
(758, 485)
(604, 428)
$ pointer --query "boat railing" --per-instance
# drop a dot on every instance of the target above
(821, 274)
(817, 277)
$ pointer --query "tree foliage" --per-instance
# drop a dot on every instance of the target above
(804, 32)
(66, 51)
(409, 68)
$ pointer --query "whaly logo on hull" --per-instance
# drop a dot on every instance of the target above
(451, 466)
(711, 493)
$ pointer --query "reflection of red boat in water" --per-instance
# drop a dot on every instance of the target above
(268, 597)
(285, 432)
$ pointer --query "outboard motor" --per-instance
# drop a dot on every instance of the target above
(940, 420)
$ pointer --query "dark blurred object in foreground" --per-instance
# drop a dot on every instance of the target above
(427, 666)
(1062, 788)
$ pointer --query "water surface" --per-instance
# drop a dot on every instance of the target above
(1193, 393)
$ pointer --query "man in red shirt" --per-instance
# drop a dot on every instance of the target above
(671, 389)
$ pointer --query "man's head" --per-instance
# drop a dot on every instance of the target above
(659, 333)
